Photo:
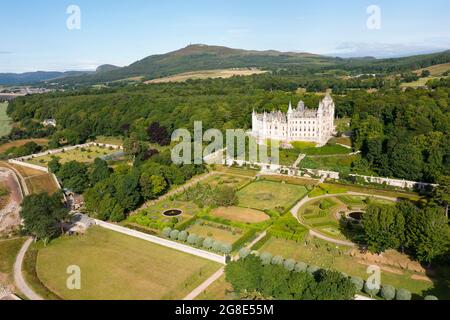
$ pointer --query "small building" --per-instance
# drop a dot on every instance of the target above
(79, 224)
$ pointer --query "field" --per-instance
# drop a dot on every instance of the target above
(5, 120)
(109, 140)
(322, 254)
(18, 143)
(227, 180)
(436, 70)
(207, 74)
(422, 82)
(238, 214)
(121, 267)
(218, 290)
(268, 195)
(8, 253)
(236, 171)
(42, 183)
(87, 155)
(216, 231)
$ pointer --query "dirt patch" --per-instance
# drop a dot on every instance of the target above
(9, 214)
(240, 214)
(421, 278)
(382, 267)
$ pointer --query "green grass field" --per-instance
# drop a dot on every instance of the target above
(115, 266)
(88, 155)
(325, 255)
(8, 252)
(269, 195)
(339, 163)
(215, 231)
(5, 120)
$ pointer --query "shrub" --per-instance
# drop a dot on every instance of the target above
(289, 264)
(199, 242)
(182, 236)
(217, 246)
(226, 248)
(174, 234)
(208, 243)
(431, 298)
(192, 239)
(266, 258)
(388, 292)
(312, 269)
(244, 253)
(244, 239)
(300, 267)
(166, 232)
(358, 283)
(403, 295)
(277, 260)
(370, 290)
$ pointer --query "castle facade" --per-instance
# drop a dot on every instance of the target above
(300, 124)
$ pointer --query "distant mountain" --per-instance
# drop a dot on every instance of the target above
(203, 57)
(106, 68)
(13, 79)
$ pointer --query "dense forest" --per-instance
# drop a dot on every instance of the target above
(401, 134)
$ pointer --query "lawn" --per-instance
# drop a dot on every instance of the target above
(236, 171)
(8, 252)
(207, 74)
(115, 266)
(338, 163)
(42, 183)
(268, 195)
(86, 155)
(218, 290)
(329, 149)
(228, 180)
(325, 255)
(238, 214)
(222, 233)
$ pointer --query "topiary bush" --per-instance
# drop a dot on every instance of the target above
(217, 246)
(166, 232)
(430, 298)
(192, 239)
(370, 290)
(199, 242)
(358, 283)
(388, 292)
(300, 267)
(289, 264)
(226, 248)
(277, 260)
(182, 236)
(403, 295)
(174, 234)
(266, 258)
(208, 243)
(244, 253)
(312, 269)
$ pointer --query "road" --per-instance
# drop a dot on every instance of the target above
(18, 276)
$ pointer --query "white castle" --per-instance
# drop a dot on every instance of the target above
(301, 124)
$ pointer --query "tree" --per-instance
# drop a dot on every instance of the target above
(425, 73)
(371, 291)
(100, 171)
(300, 267)
(383, 227)
(332, 285)
(266, 258)
(127, 190)
(244, 274)
(54, 165)
(174, 234)
(166, 232)
(117, 214)
(183, 236)
(43, 215)
(441, 193)
(225, 197)
(289, 264)
(358, 283)
(432, 234)
(158, 134)
(74, 176)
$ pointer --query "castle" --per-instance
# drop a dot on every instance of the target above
(301, 124)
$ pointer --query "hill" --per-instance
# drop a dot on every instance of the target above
(200, 57)
(13, 79)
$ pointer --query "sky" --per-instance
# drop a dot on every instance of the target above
(35, 36)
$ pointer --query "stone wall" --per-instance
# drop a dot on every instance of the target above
(163, 242)
(405, 184)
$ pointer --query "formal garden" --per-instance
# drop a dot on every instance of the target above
(80, 154)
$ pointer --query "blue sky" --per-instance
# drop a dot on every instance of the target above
(35, 37)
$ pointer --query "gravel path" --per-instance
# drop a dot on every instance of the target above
(18, 276)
